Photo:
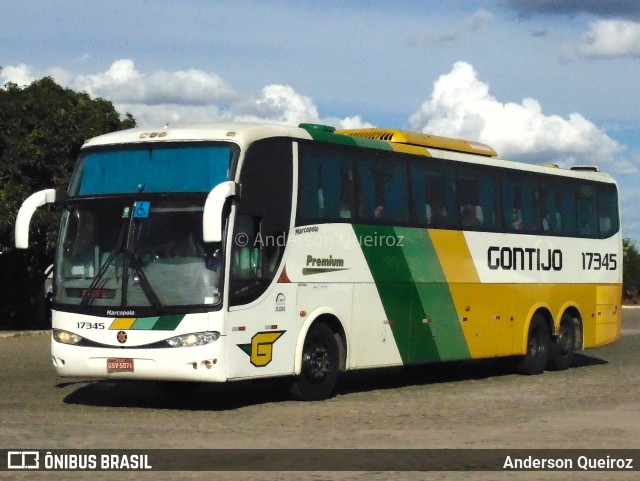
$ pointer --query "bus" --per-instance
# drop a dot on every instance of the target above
(231, 251)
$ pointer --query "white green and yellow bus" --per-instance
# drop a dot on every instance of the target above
(232, 251)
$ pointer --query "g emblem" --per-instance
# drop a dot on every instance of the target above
(260, 350)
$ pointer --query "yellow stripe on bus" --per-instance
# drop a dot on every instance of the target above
(123, 322)
(454, 256)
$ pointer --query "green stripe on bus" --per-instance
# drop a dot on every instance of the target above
(348, 140)
(414, 293)
(168, 323)
(372, 143)
(388, 266)
(144, 323)
(433, 293)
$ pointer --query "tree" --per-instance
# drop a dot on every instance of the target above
(42, 127)
(630, 269)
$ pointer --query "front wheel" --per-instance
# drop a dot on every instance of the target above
(563, 347)
(320, 365)
(538, 348)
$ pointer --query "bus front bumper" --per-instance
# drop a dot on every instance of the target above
(198, 363)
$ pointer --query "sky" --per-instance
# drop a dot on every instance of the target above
(541, 81)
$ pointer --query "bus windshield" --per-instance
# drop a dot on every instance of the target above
(148, 168)
(136, 254)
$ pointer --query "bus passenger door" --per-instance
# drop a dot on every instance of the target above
(260, 330)
(262, 335)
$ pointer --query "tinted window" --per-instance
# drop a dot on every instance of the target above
(552, 207)
(343, 183)
(477, 198)
(262, 220)
(433, 201)
(587, 213)
(520, 203)
(382, 189)
(326, 184)
(154, 168)
(607, 210)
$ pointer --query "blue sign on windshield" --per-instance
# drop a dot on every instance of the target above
(141, 209)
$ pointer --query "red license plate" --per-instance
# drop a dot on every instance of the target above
(119, 365)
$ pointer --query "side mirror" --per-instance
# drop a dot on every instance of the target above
(25, 214)
(213, 206)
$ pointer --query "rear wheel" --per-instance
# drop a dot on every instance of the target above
(538, 348)
(320, 365)
(563, 347)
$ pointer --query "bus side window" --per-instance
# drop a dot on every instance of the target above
(569, 208)
(607, 210)
(245, 262)
(520, 204)
(549, 214)
(325, 185)
(382, 190)
(478, 197)
(432, 194)
(587, 216)
(347, 189)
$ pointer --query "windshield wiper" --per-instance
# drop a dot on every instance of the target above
(86, 300)
(136, 265)
(130, 259)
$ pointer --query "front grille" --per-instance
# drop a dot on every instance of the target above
(153, 345)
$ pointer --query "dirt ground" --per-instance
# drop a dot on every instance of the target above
(595, 405)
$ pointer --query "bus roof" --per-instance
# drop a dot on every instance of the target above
(251, 131)
(384, 139)
(241, 133)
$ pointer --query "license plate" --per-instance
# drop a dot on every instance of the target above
(119, 365)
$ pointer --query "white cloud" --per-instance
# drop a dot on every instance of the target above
(354, 122)
(278, 103)
(160, 114)
(461, 106)
(611, 38)
(18, 74)
(185, 96)
(122, 83)
(282, 104)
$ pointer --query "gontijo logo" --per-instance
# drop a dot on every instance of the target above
(524, 259)
(260, 350)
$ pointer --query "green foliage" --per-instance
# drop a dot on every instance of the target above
(42, 127)
(630, 268)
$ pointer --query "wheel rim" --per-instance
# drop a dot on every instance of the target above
(316, 362)
(537, 345)
(565, 338)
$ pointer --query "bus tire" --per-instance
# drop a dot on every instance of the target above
(538, 348)
(320, 365)
(563, 347)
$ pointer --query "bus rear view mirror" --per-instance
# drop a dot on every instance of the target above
(28, 207)
(213, 207)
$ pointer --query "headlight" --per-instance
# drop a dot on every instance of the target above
(66, 337)
(195, 339)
